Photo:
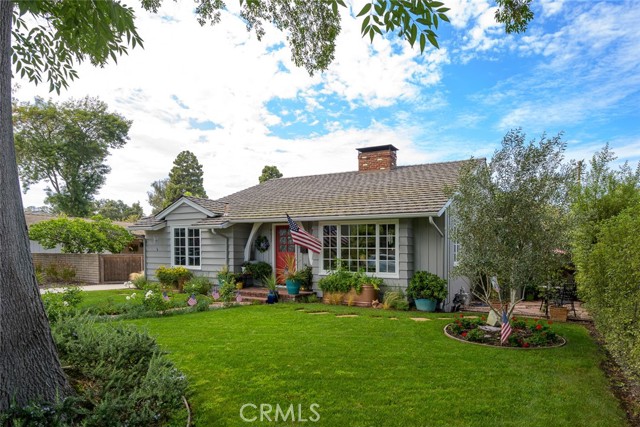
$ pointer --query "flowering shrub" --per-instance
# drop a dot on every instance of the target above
(525, 332)
(62, 304)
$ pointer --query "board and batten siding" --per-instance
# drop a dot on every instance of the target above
(455, 282)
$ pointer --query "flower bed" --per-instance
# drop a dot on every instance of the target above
(526, 333)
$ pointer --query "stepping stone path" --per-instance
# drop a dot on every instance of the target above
(445, 318)
(419, 319)
(347, 315)
(393, 318)
(318, 312)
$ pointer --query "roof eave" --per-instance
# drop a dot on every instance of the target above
(336, 217)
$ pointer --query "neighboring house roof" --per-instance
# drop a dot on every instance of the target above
(418, 190)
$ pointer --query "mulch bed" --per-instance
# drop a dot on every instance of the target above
(525, 334)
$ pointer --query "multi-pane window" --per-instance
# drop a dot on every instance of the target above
(367, 247)
(186, 247)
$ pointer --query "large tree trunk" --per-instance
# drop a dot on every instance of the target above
(29, 365)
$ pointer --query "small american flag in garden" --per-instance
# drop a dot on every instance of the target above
(505, 329)
(192, 300)
(302, 238)
(215, 294)
(165, 296)
(238, 297)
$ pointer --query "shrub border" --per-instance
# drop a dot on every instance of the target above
(564, 341)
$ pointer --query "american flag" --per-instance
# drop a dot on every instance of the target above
(192, 300)
(165, 296)
(238, 297)
(505, 329)
(302, 238)
(215, 294)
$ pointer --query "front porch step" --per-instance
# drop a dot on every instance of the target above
(260, 294)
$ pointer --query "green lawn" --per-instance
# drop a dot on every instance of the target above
(374, 371)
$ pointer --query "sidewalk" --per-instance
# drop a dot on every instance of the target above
(89, 288)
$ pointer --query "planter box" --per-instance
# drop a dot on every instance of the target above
(558, 314)
(426, 304)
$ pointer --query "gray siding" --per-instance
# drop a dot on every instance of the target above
(237, 242)
(455, 282)
(158, 251)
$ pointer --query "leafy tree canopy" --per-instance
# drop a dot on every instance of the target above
(185, 177)
(117, 210)
(79, 236)
(157, 196)
(511, 216)
(269, 172)
(66, 145)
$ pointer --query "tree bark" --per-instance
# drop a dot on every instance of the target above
(29, 365)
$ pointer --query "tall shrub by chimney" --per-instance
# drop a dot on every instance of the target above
(382, 157)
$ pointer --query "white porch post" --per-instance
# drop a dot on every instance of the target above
(250, 240)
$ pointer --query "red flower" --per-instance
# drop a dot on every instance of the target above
(514, 318)
(525, 345)
(549, 322)
(461, 315)
(464, 334)
(538, 326)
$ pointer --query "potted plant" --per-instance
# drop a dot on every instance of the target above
(335, 285)
(290, 275)
(363, 289)
(272, 285)
(427, 289)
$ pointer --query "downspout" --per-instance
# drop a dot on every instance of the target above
(144, 254)
(444, 255)
(436, 227)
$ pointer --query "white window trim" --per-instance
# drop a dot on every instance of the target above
(172, 253)
(395, 222)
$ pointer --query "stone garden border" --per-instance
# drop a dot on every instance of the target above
(564, 341)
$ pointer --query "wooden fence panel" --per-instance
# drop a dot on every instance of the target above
(117, 267)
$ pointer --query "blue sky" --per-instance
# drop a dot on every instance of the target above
(240, 104)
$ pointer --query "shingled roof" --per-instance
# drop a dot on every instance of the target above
(418, 190)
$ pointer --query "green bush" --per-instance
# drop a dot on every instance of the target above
(173, 276)
(140, 282)
(198, 285)
(51, 273)
(67, 272)
(395, 300)
(131, 382)
(259, 270)
(61, 305)
(425, 285)
(338, 280)
(609, 283)
(228, 291)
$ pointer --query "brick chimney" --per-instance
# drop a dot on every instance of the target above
(382, 157)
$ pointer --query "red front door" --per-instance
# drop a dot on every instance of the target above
(284, 246)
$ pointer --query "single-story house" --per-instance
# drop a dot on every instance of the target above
(389, 220)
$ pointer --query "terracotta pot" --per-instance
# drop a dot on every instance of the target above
(558, 314)
(362, 299)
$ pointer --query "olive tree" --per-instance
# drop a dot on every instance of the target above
(510, 218)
